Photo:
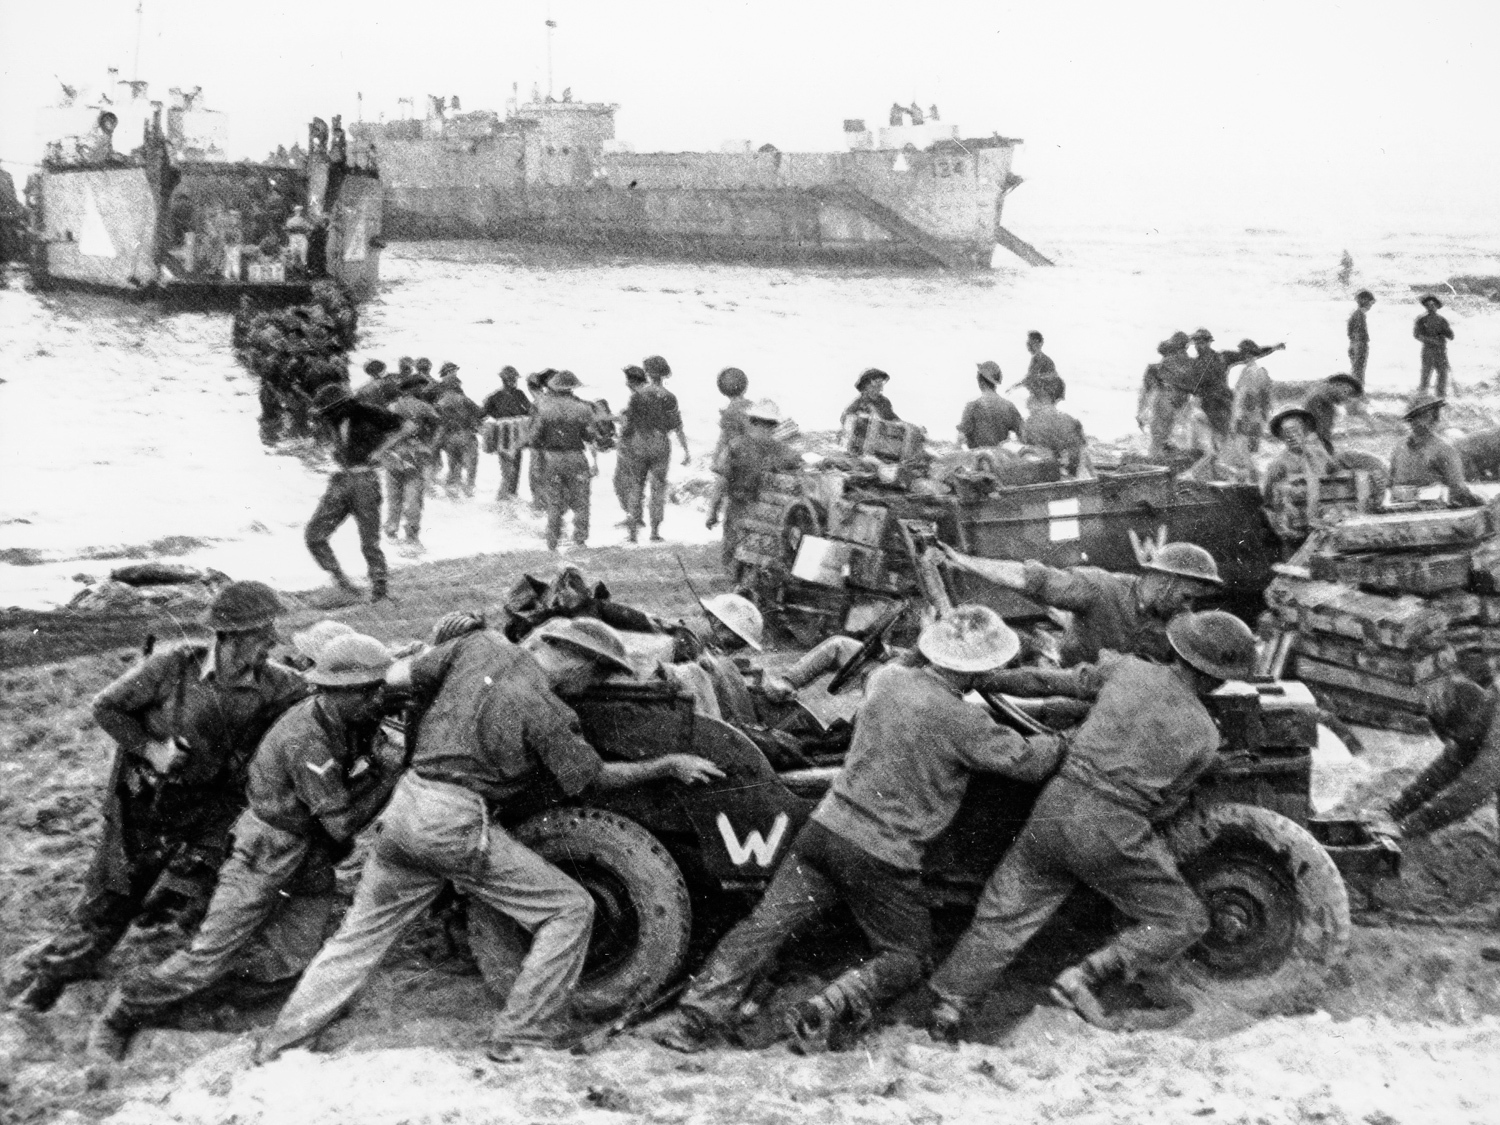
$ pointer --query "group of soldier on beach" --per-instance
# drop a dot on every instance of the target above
(239, 783)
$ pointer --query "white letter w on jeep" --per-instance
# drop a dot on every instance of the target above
(762, 848)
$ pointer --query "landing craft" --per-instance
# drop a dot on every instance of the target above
(175, 218)
(916, 192)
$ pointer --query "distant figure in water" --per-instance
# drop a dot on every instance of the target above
(1434, 332)
(1346, 268)
(1359, 333)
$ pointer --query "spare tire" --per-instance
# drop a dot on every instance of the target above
(1278, 908)
(642, 915)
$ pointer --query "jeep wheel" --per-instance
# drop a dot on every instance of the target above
(1278, 909)
(642, 916)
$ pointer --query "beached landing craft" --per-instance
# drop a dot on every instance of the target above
(175, 218)
(914, 192)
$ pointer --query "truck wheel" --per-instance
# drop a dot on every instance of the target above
(1278, 909)
(642, 915)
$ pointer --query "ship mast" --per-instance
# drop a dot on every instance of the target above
(551, 27)
(135, 65)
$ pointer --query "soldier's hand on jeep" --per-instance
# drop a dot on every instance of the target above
(690, 769)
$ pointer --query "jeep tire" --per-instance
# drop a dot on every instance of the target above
(642, 915)
(1278, 909)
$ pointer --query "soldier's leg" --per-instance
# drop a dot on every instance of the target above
(581, 487)
(510, 474)
(1117, 853)
(94, 926)
(1022, 894)
(800, 892)
(395, 497)
(537, 479)
(1430, 780)
(622, 480)
(734, 511)
(1427, 367)
(331, 511)
(264, 861)
(365, 504)
(411, 507)
(556, 911)
(657, 476)
(1441, 367)
(1167, 403)
(637, 471)
(554, 493)
(888, 906)
(470, 463)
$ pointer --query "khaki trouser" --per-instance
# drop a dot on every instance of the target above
(1076, 836)
(403, 500)
(432, 833)
(268, 916)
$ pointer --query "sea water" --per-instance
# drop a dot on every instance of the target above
(129, 433)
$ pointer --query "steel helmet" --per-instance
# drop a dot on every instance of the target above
(457, 624)
(328, 396)
(354, 660)
(1216, 643)
(311, 642)
(656, 366)
(972, 638)
(1185, 560)
(764, 411)
(739, 615)
(242, 607)
(588, 635)
(732, 381)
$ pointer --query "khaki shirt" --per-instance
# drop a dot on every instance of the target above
(1107, 613)
(915, 744)
(493, 724)
(302, 771)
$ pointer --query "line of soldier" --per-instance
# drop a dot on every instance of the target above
(238, 784)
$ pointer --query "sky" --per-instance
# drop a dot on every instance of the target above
(1365, 118)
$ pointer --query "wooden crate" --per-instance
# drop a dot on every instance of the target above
(1459, 605)
(1481, 638)
(1412, 529)
(1369, 711)
(865, 524)
(1484, 568)
(1413, 697)
(1405, 622)
(868, 436)
(1392, 664)
(1489, 609)
(1395, 572)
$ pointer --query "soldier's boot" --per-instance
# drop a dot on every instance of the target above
(110, 1033)
(947, 1021)
(832, 1018)
(37, 993)
(656, 533)
(1074, 989)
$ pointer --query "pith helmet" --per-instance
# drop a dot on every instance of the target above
(1216, 643)
(588, 636)
(738, 615)
(732, 381)
(354, 660)
(972, 638)
(656, 366)
(242, 607)
(1422, 402)
(1344, 377)
(311, 642)
(1186, 560)
(457, 624)
(765, 410)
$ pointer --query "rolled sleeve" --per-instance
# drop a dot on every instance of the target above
(117, 709)
(1061, 588)
(999, 750)
(552, 733)
(430, 669)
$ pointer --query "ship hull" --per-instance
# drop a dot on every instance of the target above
(146, 229)
(874, 207)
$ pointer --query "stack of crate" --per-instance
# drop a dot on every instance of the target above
(1386, 605)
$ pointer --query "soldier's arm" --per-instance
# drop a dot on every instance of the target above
(1474, 786)
(345, 817)
(984, 744)
(1031, 683)
(119, 708)
(1002, 572)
